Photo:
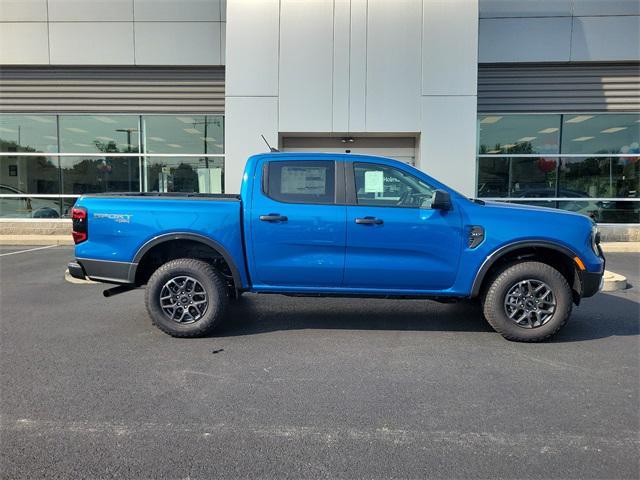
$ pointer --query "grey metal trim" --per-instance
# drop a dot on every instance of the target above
(120, 89)
(500, 252)
(548, 87)
(108, 271)
(237, 279)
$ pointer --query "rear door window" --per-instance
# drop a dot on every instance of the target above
(301, 181)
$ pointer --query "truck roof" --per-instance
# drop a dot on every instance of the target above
(316, 155)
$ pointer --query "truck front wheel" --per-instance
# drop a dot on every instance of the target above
(528, 302)
(186, 298)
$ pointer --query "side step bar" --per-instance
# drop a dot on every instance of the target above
(110, 292)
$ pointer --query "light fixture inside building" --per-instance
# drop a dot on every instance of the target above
(526, 139)
(104, 119)
(548, 130)
(613, 129)
(347, 140)
(491, 119)
(582, 139)
(579, 118)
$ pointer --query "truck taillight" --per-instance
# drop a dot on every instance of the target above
(80, 230)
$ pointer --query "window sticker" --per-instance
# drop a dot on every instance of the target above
(303, 180)
(374, 181)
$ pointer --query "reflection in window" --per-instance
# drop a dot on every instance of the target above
(493, 177)
(82, 175)
(533, 177)
(187, 174)
(28, 133)
(608, 133)
(99, 133)
(28, 207)
(184, 133)
(601, 177)
(511, 134)
(38, 174)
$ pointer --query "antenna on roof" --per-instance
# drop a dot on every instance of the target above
(271, 149)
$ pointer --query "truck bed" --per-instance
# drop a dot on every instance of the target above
(121, 224)
(190, 195)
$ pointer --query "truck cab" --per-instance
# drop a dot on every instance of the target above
(336, 224)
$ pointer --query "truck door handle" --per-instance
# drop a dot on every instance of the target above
(369, 221)
(273, 217)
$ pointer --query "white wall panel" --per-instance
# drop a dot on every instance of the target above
(393, 65)
(177, 43)
(91, 43)
(525, 8)
(341, 34)
(13, 48)
(306, 63)
(358, 66)
(23, 10)
(454, 72)
(223, 43)
(525, 39)
(246, 118)
(605, 7)
(448, 141)
(90, 10)
(177, 10)
(252, 47)
(605, 38)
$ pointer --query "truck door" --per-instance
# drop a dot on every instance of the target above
(297, 227)
(395, 241)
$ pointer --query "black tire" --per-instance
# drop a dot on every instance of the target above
(210, 282)
(495, 310)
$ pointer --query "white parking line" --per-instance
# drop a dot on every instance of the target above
(28, 250)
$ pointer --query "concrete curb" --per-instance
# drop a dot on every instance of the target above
(620, 247)
(29, 240)
(613, 282)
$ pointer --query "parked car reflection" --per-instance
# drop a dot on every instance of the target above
(26, 207)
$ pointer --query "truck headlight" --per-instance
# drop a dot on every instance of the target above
(595, 240)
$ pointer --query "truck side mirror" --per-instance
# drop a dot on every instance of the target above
(441, 200)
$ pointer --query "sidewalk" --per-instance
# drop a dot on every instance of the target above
(29, 240)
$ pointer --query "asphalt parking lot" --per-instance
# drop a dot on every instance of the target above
(309, 388)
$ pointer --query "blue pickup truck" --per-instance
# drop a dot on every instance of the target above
(337, 225)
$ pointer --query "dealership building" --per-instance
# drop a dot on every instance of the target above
(528, 101)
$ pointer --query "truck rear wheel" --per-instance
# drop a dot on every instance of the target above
(186, 298)
(528, 302)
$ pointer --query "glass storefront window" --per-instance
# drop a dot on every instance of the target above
(29, 207)
(99, 133)
(606, 133)
(517, 177)
(533, 177)
(184, 134)
(493, 177)
(185, 174)
(586, 157)
(82, 175)
(28, 133)
(21, 174)
(511, 134)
